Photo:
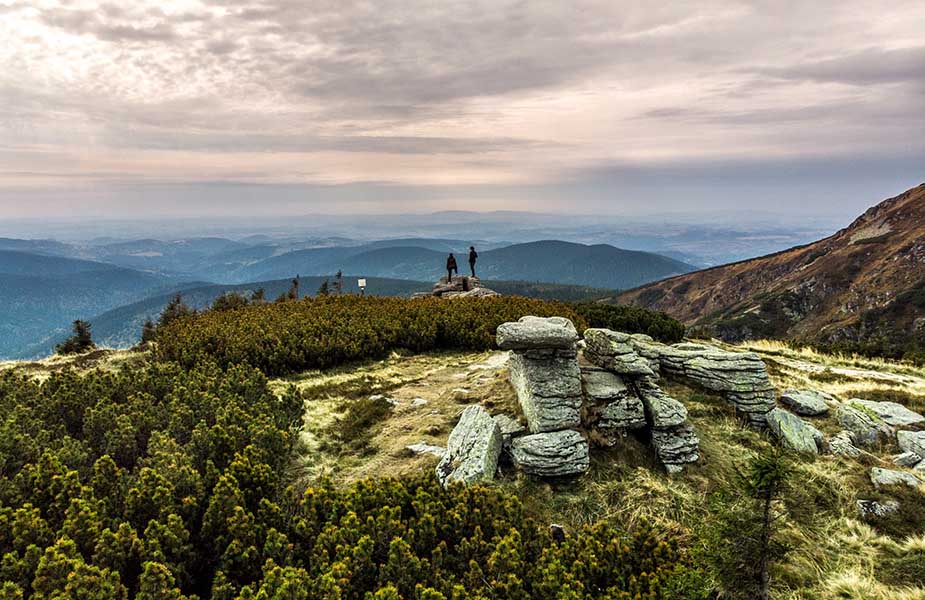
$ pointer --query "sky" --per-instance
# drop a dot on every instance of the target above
(286, 107)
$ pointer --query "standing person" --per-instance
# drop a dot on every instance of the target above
(473, 255)
(451, 268)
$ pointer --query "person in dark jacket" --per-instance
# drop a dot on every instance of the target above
(451, 267)
(473, 255)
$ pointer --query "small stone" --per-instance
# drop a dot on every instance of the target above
(537, 333)
(840, 444)
(472, 450)
(424, 448)
(877, 509)
(792, 432)
(552, 454)
(907, 459)
(418, 402)
(809, 403)
(867, 429)
(912, 441)
(887, 477)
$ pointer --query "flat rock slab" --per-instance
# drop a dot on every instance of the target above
(472, 450)
(793, 432)
(537, 333)
(807, 403)
(912, 441)
(892, 413)
(549, 391)
(888, 477)
(867, 429)
(553, 454)
(602, 385)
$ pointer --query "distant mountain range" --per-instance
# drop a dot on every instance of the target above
(599, 266)
(865, 285)
(40, 294)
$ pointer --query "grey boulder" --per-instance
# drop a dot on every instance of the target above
(912, 441)
(867, 429)
(887, 477)
(792, 432)
(472, 450)
(553, 454)
(536, 333)
(840, 444)
(907, 459)
(808, 403)
(549, 391)
(892, 413)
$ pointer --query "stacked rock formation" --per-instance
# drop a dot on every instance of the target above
(740, 377)
(673, 438)
(460, 287)
(545, 375)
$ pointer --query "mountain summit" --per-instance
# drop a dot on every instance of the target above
(863, 286)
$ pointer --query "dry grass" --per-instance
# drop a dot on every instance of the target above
(101, 358)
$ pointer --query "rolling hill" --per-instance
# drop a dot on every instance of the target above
(863, 287)
(601, 265)
(41, 294)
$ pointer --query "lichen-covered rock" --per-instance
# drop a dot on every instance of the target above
(792, 432)
(887, 477)
(549, 390)
(807, 403)
(552, 454)
(907, 459)
(611, 405)
(840, 444)
(892, 413)
(912, 441)
(510, 429)
(537, 333)
(614, 351)
(676, 446)
(877, 509)
(662, 411)
(602, 385)
(867, 429)
(472, 450)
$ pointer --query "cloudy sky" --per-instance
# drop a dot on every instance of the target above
(279, 107)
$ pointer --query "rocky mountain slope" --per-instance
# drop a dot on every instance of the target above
(864, 285)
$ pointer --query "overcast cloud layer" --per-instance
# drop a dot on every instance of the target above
(286, 106)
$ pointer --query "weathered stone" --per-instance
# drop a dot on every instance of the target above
(840, 444)
(626, 413)
(792, 432)
(662, 411)
(676, 446)
(614, 351)
(892, 413)
(472, 450)
(867, 429)
(808, 403)
(602, 385)
(611, 404)
(553, 454)
(425, 448)
(537, 332)
(912, 441)
(510, 429)
(907, 459)
(549, 391)
(876, 509)
(888, 477)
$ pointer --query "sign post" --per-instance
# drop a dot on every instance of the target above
(362, 285)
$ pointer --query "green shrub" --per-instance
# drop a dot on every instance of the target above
(323, 332)
(631, 319)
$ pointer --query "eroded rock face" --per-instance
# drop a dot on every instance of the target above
(613, 406)
(892, 413)
(676, 446)
(912, 441)
(548, 387)
(614, 351)
(532, 333)
(888, 477)
(552, 454)
(472, 450)
(867, 429)
(807, 403)
(792, 432)
(662, 411)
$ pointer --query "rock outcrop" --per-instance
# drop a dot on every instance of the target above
(472, 450)
(614, 351)
(537, 333)
(552, 454)
(887, 477)
(459, 287)
(867, 429)
(609, 403)
(893, 414)
(793, 432)
(740, 377)
(807, 403)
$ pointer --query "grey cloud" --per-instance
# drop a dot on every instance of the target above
(867, 67)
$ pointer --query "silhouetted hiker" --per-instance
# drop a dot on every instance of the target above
(473, 255)
(451, 268)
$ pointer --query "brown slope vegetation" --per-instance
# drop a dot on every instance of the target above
(863, 284)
